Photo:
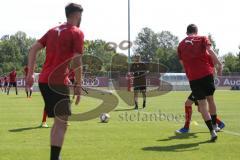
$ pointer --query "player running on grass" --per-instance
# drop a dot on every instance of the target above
(193, 52)
(27, 89)
(1, 84)
(5, 83)
(12, 81)
(71, 76)
(188, 109)
(63, 44)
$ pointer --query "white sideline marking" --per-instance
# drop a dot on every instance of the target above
(203, 126)
(225, 131)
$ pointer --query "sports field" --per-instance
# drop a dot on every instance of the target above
(129, 135)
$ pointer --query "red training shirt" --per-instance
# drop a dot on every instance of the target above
(25, 71)
(71, 74)
(12, 76)
(193, 53)
(61, 43)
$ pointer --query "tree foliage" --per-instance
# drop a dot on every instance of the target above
(99, 55)
(158, 47)
(13, 52)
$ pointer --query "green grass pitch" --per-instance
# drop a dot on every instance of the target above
(125, 136)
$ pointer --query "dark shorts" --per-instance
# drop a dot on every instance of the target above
(56, 99)
(201, 88)
(140, 88)
(12, 84)
(192, 98)
(5, 84)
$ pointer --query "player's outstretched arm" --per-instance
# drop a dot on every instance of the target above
(31, 62)
(216, 61)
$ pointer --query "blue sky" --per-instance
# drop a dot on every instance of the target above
(107, 19)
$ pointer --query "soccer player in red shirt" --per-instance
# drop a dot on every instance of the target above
(5, 85)
(188, 110)
(1, 84)
(12, 81)
(193, 54)
(71, 76)
(27, 89)
(63, 44)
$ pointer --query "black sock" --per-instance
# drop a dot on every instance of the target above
(214, 119)
(136, 104)
(144, 103)
(55, 152)
(27, 93)
(30, 93)
(209, 125)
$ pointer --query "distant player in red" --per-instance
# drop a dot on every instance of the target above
(71, 76)
(12, 81)
(188, 110)
(64, 44)
(5, 85)
(1, 84)
(27, 89)
(193, 52)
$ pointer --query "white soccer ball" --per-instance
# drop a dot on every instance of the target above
(104, 117)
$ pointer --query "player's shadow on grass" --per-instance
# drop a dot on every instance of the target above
(24, 129)
(175, 148)
(182, 136)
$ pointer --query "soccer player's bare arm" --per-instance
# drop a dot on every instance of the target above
(32, 56)
(77, 66)
(216, 61)
(31, 61)
(181, 62)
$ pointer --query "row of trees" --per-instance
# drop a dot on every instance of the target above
(13, 53)
(154, 48)
(162, 47)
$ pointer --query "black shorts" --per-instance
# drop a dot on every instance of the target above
(192, 98)
(5, 84)
(12, 84)
(201, 88)
(140, 88)
(56, 99)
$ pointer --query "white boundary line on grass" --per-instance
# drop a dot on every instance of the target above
(202, 126)
(225, 131)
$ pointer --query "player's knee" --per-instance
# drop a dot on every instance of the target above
(188, 103)
(61, 123)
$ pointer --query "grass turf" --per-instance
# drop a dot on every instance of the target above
(129, 135)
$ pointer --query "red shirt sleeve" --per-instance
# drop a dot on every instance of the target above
(43, 40)
(78, 42)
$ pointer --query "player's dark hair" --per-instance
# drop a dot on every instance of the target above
(71, 8)
(192, 28)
